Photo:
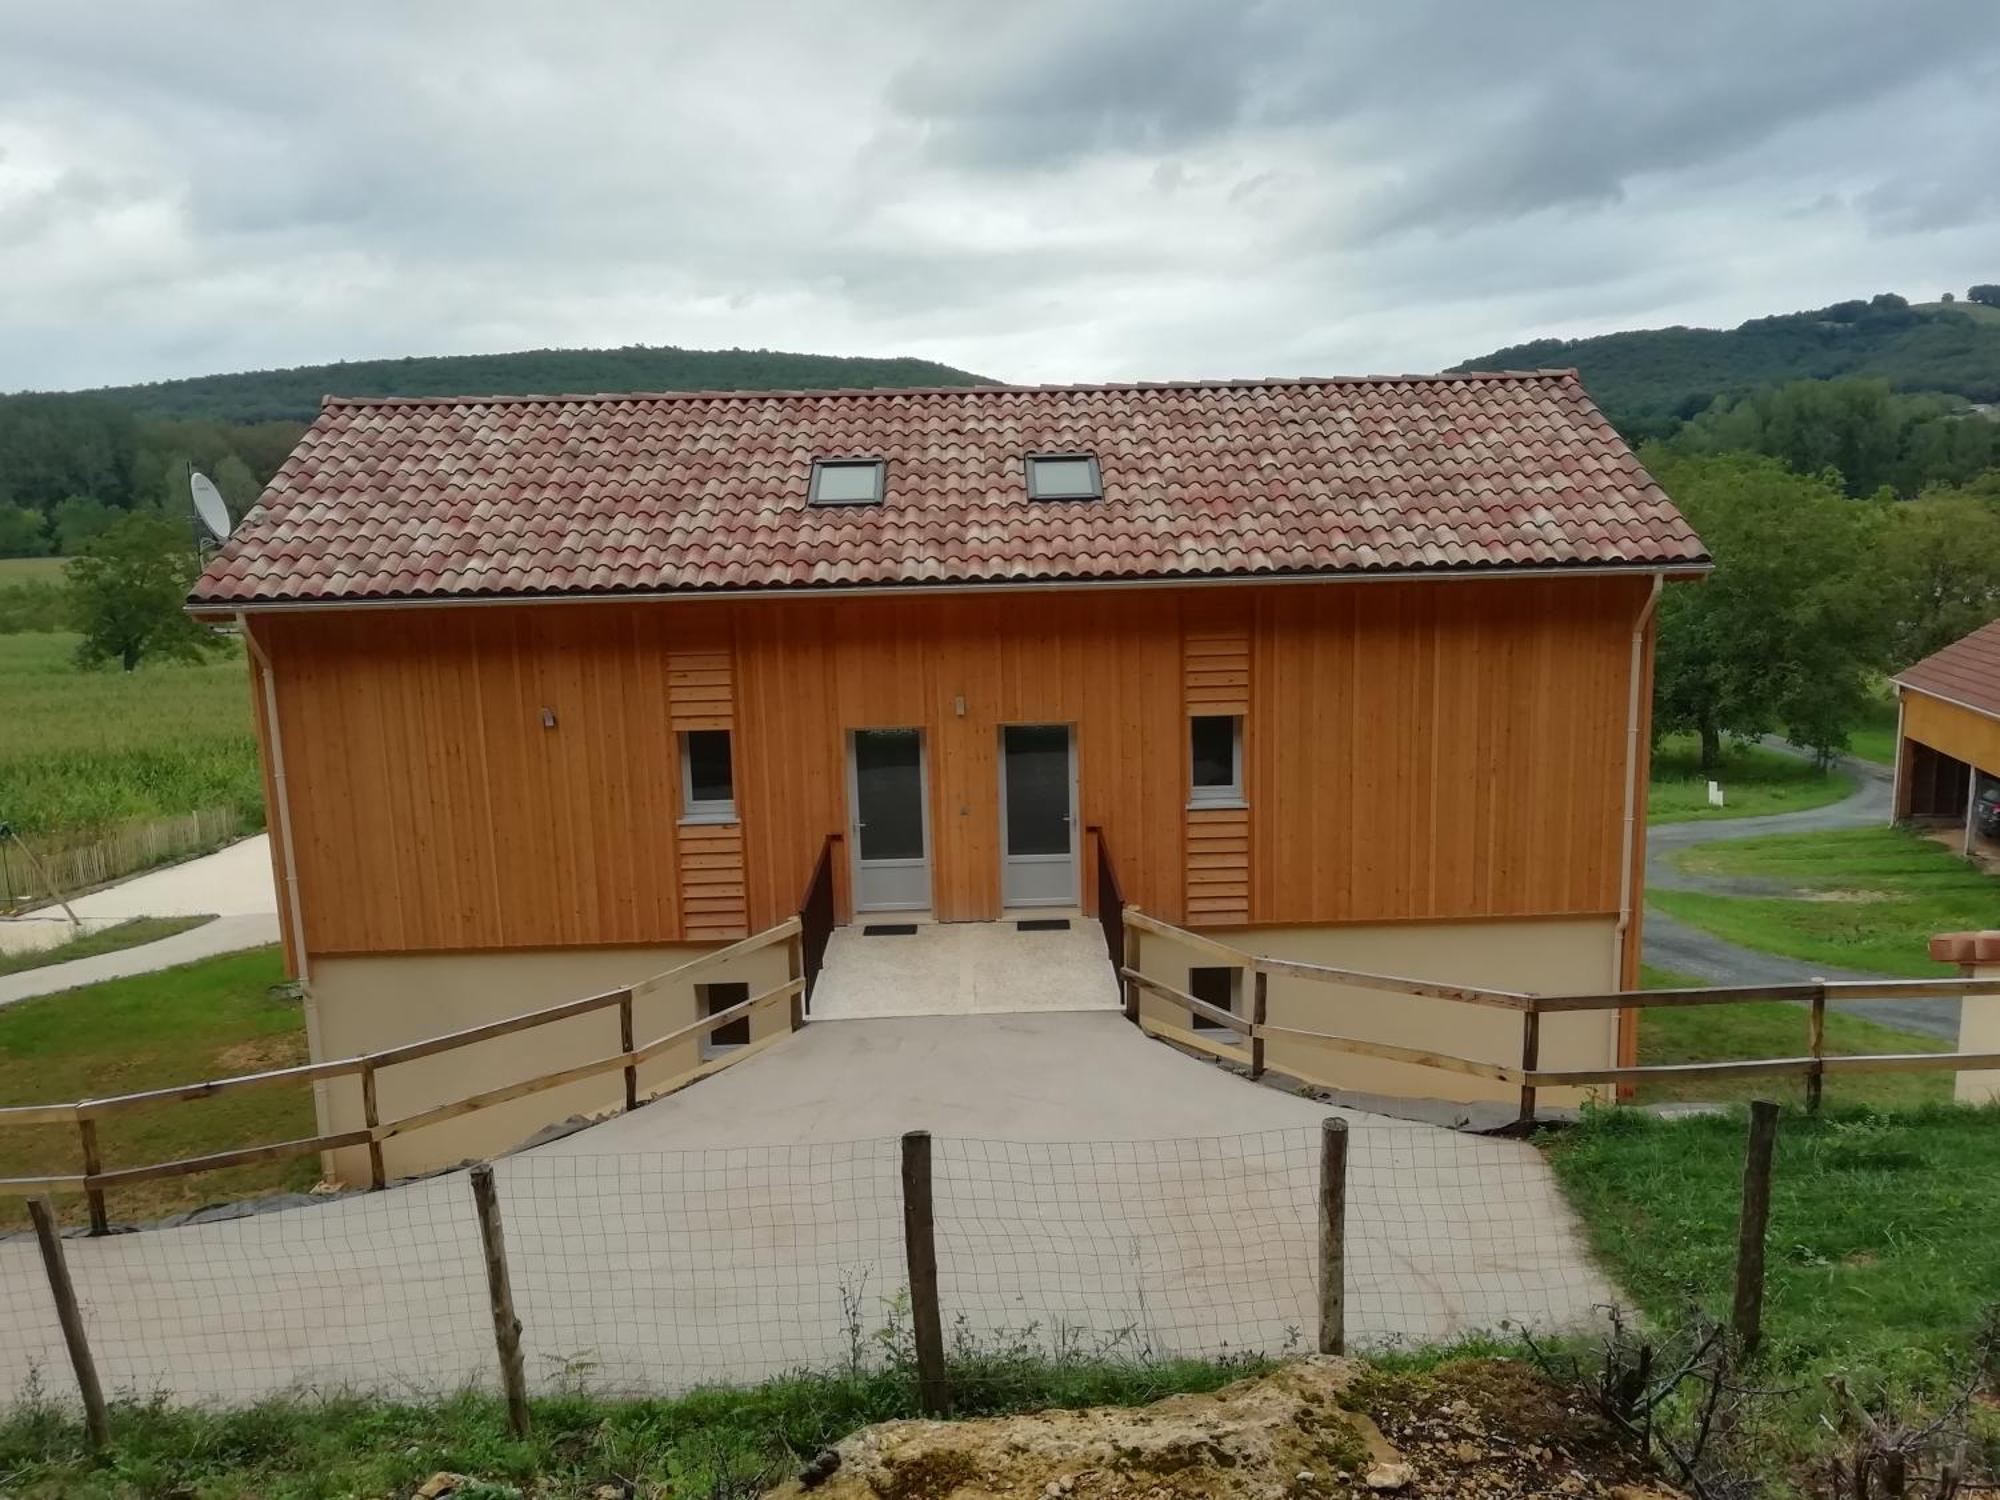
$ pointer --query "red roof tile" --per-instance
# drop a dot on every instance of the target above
(533, 495)
(1967, 671)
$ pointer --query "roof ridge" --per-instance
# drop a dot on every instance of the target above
(1448, 377)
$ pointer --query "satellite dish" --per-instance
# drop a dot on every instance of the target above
(208, 505)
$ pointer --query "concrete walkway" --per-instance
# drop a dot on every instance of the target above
(1686, 949)
(964, 969)
(1096, 1191)
(235, 883)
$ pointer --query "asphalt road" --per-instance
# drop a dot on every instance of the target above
(1689, 950)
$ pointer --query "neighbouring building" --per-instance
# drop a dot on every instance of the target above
(554, 692)
(1948, 733)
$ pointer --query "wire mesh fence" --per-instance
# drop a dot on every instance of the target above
(649, 1273)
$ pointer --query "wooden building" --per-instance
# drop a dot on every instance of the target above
(552, 691)
(1948, 732)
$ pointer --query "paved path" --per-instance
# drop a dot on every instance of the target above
(963, 969)
(1685, 949)
(234, 882)
(1094, 1188)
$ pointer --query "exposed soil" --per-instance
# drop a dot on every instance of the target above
(1314, 1427)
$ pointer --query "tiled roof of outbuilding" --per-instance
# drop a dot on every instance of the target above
(576, 495)
(1967, 671)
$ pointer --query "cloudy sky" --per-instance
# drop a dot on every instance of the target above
(1098, 189)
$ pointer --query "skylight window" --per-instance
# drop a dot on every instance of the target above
(847, 481)
(1063, 476)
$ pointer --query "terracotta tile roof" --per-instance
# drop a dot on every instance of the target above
(1967, 671)
(514, 496)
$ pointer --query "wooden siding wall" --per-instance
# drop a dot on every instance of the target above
(1958, 732)
(1421, 750)
(1216, 632)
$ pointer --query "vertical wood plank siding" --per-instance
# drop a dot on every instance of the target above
(1420, 750)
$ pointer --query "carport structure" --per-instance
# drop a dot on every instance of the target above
(1948, 740)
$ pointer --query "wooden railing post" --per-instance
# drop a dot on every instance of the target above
(1816, 1048)
(1260, 1010)
(1531, 1059)
(500, 1291)
(93, 1163)
(626, 1042)
(1747, 1317)
(96, 1420)
(795, 968)
(1132, 962)
(371, 1116)
(920, 1248)
(1332, 1236)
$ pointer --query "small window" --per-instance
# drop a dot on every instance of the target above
(847, 481)
(1221, 987)
(1063, 476)
(716, 998)
(1216, 755)
(708, 786)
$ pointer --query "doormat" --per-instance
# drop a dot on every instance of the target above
(1043, 924)
(890, 929)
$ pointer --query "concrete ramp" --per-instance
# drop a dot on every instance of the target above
(884, 968)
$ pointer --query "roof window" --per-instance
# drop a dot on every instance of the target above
(1064, 476)
(847, 481)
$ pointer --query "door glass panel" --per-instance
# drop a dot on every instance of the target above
(889, 793)
(1037, 757)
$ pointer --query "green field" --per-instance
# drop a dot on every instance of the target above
(1873, 737)
(1883, 1261)
(1754, 780)
(84, 751)
(202, 1020)
(15, 570)
(1868, 898)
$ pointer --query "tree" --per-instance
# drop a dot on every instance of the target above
(238, 485)
(1941, 555)
(1987, 292)
(1787, 631)
(126, 592)
(77, 520)
(23, 532)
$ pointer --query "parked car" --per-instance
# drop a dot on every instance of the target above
(1986, 810)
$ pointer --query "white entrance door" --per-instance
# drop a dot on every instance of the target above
(885, 779)
(1038, 815)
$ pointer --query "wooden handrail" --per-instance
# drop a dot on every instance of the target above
(1529, 1076)
(94, 1179)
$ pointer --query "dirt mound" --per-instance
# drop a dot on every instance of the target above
(1315, 1427)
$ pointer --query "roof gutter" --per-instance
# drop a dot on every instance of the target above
(225, 609)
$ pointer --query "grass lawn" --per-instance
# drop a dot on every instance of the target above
(87, 750)
(1873, 898)
(716, 1444)
(104, 940)
(202, 1020)
(1754, 780)
(1883, 1258)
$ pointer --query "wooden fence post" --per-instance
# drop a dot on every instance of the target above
(920, 1247)
(1816, 1044)
(795, 969)
(626, 1044)
(93, 1163)
(1748, 1316)
(1132, 936)
(96, 1421)
(1260, 1009)
(1332, 1236)
(371, 1116)
(1531, 1059)
(506, 1326)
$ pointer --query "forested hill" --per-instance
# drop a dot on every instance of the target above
(294, 394)
(1650, 380)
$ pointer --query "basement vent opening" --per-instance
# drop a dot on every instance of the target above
(1043, 924)
(890, 929)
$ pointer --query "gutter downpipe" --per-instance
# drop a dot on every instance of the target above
(275, 737)
(1896, 773)
(1633, 705)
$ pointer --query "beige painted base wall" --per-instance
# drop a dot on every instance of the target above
(367, 1003)
(1979, 1031)
(1570, 955)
